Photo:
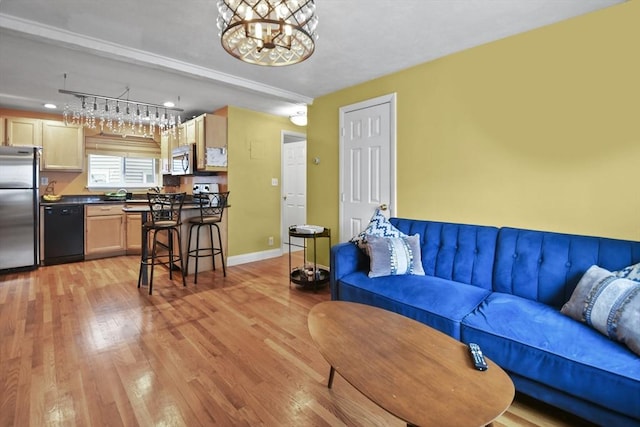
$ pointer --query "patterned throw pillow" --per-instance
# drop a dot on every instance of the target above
(378, 226)
(391, 256)
(632, 272)
(609, 304)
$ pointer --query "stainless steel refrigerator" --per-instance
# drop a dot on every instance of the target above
(19, 212)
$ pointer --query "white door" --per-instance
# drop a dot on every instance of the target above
(294, 188)
(367, 163)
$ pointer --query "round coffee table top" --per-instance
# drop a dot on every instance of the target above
(415, 372)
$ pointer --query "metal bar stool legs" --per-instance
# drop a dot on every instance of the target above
(172, 256)
(154, 258)
(200, 252)
(218, 251)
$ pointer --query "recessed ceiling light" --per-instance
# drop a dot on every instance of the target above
(169, 104)
(50, 106)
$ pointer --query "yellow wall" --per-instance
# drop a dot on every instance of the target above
(254, 153)
(539, 130)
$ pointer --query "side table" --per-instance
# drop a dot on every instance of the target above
(307, 277)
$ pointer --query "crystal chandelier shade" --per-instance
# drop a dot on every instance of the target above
(268, 32)
(120, 115)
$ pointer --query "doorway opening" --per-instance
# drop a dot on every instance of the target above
(293, 209)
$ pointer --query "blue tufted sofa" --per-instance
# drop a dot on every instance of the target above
(503, 289)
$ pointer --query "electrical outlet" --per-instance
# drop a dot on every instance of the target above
(274, 182)
(270, 240)
(44, 180)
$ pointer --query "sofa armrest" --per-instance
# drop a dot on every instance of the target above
(346, 258)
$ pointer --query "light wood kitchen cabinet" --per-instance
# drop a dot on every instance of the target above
(166, 145)
(182, 135)
(62, 147)
(201, 126)
(205, 131)
(23, 131)
(134, 233)
(211, 132)
(105, 231)
(3, 134)
(190, 131)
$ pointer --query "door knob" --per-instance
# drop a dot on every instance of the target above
(383, 207)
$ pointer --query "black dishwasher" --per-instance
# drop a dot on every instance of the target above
(63, 234)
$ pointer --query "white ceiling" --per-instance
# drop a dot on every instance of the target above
(163, 49)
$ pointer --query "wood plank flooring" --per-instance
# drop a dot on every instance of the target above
(80, 345)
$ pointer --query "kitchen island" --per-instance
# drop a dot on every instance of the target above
(189, 210)
(114, 227)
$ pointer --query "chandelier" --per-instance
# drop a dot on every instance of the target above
(268, 32)
(120, 115)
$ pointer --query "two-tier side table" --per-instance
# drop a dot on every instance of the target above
(308, 276)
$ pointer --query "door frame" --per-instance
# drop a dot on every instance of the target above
(391, 99)
(295, 137)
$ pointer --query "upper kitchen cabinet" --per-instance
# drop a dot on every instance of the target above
(62, 147)
(23, 131)
(211, 135)
(190, 131)
(208, 132)
(182, 135)
(168, 141)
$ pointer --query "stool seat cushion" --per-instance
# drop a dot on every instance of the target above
(161, 224)
(205, 219)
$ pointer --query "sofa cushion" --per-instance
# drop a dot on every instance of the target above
(536, 341)
(458, 252)
(436, 302)
(608, 303)
(394, 255)
(546, 267)
(379, 225)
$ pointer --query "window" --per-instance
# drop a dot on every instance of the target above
(122, 172)
(114, 163)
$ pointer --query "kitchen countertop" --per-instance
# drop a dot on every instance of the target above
(96, 199)
(138, 206)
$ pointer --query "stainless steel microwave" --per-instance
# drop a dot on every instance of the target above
(183, 160)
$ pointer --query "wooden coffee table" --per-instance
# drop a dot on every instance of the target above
(415, 372)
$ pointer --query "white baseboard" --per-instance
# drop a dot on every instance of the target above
(251, 257)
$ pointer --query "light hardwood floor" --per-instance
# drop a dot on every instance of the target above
(81, 345)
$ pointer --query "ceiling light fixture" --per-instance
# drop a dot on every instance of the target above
(268, 32)
(120, 115)
(50, 106)
(299, 119)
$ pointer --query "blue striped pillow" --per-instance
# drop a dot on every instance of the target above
(394, 256)
(608, 303)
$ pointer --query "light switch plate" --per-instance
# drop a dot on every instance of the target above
(274, 182)
(44, 180)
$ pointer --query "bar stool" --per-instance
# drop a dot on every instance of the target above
(212, 206)
(165, 210)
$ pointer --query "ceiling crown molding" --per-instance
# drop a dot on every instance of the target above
(46, 33)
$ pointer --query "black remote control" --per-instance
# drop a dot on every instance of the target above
(478, 358)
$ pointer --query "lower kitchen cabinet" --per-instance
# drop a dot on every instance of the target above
(105, 231)
(134, 233)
